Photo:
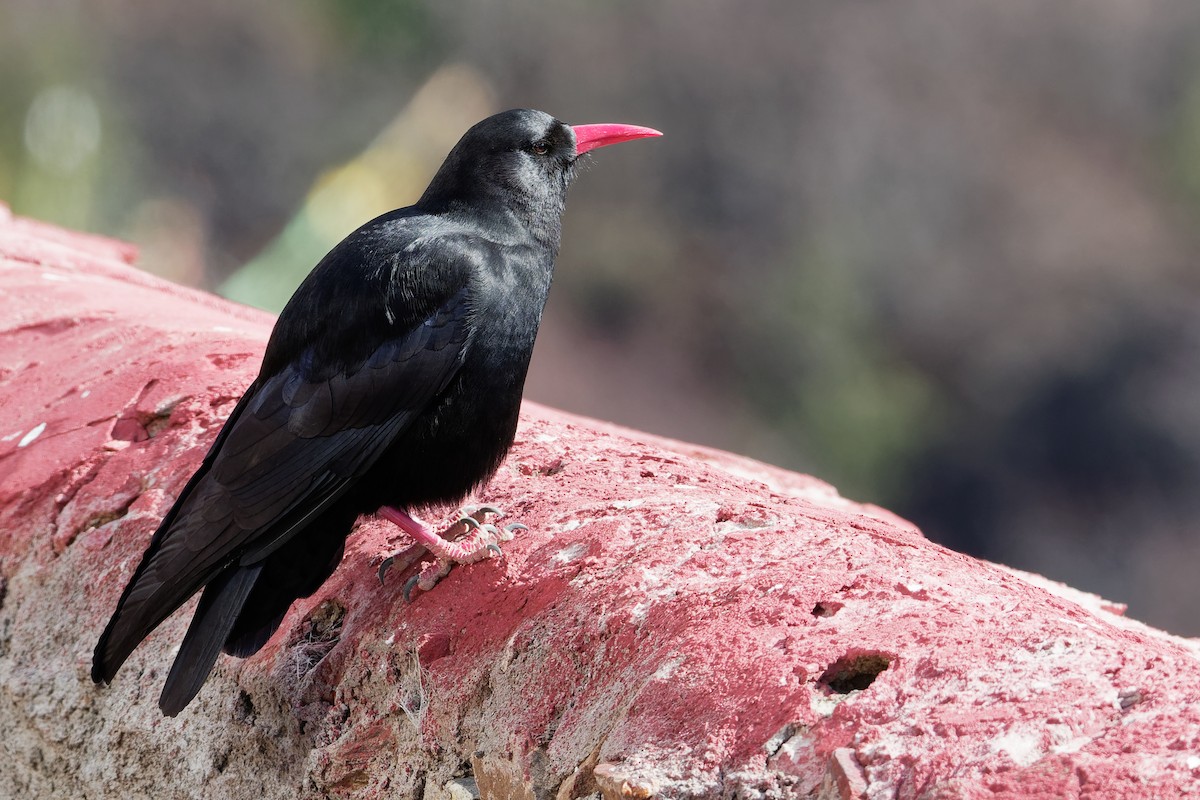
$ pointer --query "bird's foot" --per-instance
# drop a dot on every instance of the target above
(472, 538)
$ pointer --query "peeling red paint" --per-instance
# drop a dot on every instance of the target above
(677, 620)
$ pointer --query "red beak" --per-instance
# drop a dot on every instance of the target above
(589, 137)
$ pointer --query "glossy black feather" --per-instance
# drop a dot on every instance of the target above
(215, 614)
(393, 377)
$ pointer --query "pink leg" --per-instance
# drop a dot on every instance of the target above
(467, 550)
(480, 543)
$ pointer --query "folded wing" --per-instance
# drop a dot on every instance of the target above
(293, 446)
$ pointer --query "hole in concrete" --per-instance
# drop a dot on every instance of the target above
(158, 423)
(313, 638)
(244, 711)
(854, 672)
(826, 608)
(324, 624)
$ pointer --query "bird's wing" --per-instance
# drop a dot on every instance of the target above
(294, 445)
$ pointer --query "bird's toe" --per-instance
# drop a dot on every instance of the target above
(384, 566)
(409, 585)
(478, 512)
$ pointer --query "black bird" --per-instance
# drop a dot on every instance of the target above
(392, 381)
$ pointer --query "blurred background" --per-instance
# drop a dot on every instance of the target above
(942, 255)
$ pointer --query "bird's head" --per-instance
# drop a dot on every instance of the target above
(519, 160)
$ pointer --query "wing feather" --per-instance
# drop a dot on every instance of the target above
(295, 444)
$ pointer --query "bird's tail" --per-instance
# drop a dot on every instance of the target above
(215, 616)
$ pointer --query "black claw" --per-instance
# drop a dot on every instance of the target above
(384, 567)
(495, 548)
(470, 522)
(409, 585)
(516, 526)
(489, 510)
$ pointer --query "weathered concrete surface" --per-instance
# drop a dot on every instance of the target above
(676, 622)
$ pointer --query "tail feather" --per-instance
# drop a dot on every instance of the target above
(297, 569)
(215, 616)
(244, 643)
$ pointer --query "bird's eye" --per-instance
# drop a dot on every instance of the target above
(540, 147)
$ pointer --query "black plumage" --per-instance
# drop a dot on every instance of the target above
(393, 377)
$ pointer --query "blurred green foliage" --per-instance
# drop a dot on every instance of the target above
(396, 28)
(862, 411)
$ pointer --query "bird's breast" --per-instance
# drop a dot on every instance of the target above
(464, 436)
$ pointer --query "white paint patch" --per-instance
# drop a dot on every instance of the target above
(85, 393)
(223, 329)
(1023, 748)
(1193, 763)
(667, 668)
(1072, 745)
(626, 504)
(823, 705)
(1053, 648)
(10, 437)
(33, 434)
(569, 553)
(50, 276)
(772, 745)
(796, 747)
